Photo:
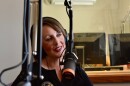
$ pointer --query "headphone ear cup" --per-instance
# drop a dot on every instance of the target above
(66, 37)
(66, 40)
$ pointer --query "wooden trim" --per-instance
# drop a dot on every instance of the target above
(109, 76)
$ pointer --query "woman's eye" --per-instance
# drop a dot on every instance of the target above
(48, 38)
(59, 34)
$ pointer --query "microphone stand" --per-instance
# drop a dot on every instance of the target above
(26, 36)
(39, 43)
(70, 15)
(70, 57)
(25, 49)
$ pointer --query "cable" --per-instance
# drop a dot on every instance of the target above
(61, 63)
(25, 42)
(10, 68)
(67, 11)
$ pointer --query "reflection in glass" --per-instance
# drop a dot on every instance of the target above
(119, 46)
(91, 48)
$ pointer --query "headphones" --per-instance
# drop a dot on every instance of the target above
(66, 37)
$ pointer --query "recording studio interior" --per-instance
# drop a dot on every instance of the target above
(101, 34)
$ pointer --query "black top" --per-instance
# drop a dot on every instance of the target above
(51, 79)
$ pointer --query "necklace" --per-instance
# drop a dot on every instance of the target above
(47, 63)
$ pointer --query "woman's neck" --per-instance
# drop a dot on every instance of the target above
(51, 63)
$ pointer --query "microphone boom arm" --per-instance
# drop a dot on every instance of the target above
(70, 58)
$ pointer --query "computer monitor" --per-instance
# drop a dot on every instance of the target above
(90, 47)
(119, 48)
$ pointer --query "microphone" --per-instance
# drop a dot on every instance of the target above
(34, 39)
(34, 28)
(69, 65)
(70, 57)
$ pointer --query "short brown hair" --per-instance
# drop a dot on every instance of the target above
(56, 25)
(53, 23)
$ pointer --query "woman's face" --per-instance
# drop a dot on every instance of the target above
(53, 42)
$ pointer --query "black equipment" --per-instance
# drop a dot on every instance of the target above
(70, 59)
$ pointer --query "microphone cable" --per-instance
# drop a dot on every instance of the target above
(10, 68)
(25, 42)
(62, 60)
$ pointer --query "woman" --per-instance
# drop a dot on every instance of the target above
(54, 44)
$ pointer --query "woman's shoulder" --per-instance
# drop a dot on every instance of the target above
(81, 76)
(79, 69)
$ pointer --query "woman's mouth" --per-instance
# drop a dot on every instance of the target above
(58, 49)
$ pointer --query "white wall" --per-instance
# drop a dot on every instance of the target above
(124, 14)
(99, 17)
(11, 15)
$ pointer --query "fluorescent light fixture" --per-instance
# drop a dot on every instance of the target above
(74, 2)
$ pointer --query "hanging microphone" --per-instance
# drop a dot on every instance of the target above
(34, 28)
(70, 59)
(34, 39)
(69, 65)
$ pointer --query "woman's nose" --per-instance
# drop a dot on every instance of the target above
(56, 41)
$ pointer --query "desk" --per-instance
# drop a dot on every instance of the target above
(109, 76)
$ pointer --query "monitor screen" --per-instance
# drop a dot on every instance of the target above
(90, 48)
(119, 48)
